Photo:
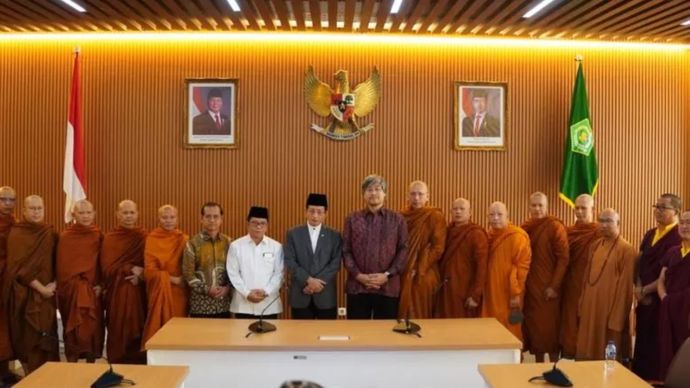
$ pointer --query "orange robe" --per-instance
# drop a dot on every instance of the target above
(606, 299)
(33, 324)
(6, 352)
(581, 236)
(125, 303)
(463, 271)
(420, 280)
(550, 256)
(509, 261)
(77, 273)
(163, 259)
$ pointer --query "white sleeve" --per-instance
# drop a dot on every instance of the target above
(233, 268)
(277, 275)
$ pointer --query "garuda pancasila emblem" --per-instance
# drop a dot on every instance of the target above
(344, 105)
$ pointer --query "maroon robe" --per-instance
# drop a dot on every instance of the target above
(674, 310)
(646, 358)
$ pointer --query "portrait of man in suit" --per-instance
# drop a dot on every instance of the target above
(480, 123)
(312, 254)
(213, 121)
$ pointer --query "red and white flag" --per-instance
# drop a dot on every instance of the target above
(74, 179)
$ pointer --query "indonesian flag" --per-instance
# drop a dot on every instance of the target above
(74, 179)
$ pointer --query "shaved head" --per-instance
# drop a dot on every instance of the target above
(461, 211)
(8, 199)
(127, 214)
(83, 212)
(538, 205)
(584, 208)
(609, 223)
(167, 217)
(498, 215)
(34, 211)
(418, 194)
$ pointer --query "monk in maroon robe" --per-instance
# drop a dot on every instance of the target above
(673, 289)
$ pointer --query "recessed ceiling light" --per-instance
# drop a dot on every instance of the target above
(233, 4)
(685, 23)
(537, 8)
(395, 8)
(74, 5)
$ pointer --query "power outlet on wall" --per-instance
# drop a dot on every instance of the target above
(342, 311)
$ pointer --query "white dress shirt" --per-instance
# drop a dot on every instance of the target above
(314, 232)
(255, 266)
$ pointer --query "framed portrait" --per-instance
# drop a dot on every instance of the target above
(480, 116)
(211, 113)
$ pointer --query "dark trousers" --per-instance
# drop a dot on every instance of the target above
(225, 314)
(313, 312)
(368, 306)
(251, 316)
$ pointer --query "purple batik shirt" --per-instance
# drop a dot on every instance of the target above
(375, 243)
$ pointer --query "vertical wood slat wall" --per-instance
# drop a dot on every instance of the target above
(134, 118)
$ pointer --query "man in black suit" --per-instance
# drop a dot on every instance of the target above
(312, 254)
(213, 121)
(480, 124)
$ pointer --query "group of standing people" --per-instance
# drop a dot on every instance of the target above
(564, 290)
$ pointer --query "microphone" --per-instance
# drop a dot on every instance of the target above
(109, 378)
(554, 376)
(407, 327)
(260, 327)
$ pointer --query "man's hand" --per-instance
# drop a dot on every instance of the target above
(470, 303)
(378, 279)
(97, 290)
(366, 280)
(550, 294)
(213, 291)
(133, 278)
(48, 291)
(224, 291)
(139, 271)
(176, 280)
(314, 285)
(515, 302)
(256, 296)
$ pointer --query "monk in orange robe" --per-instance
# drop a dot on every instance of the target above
(8, 198)
(165, 286)
(122, 266)
(510, 256)
(607, 293)
(28, 289)
(427, 237)
(78, 285)
(550, 256)
(581, 236)
(463, 265)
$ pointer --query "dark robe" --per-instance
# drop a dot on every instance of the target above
(646, 357)
(33, 324)
(6, 352)
(674, 310)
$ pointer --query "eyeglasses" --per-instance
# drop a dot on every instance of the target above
(662, 207)
(258, 223)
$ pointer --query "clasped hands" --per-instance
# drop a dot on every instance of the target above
(372, 281)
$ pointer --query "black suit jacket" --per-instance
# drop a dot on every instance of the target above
(205, 124)
(323, 264)
(490, 127)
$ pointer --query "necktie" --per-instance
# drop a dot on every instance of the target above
(218, 124)
(477, 124)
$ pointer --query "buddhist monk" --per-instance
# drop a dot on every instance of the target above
(463, 265)
(550, 256)
(673, 289)
(165, 286)
(581, 236)
(510, 256)
(122, 266)
(655, 244)
(426, 227)
(607, 292)
(78, 285)
(28, 289)
(8, 198)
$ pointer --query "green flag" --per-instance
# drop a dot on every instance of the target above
(580, 172)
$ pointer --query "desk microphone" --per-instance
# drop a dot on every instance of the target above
(260, 327)
(407, 327)
(554, 376)
(109, 378)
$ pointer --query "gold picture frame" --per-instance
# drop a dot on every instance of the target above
(480, 132)
(211, 113)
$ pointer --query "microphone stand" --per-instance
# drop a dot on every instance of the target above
(260, 327)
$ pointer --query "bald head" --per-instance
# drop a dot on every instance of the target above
(584, 208)
(418, 194)
(167, 217)
(538, 205)
(127, 214)
(83, 212)
(609, 223)
(684, 227)
(498, 215)
(461, 211)
(34, 211)
(8, 199)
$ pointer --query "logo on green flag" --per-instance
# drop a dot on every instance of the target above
(581, 139)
